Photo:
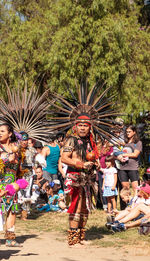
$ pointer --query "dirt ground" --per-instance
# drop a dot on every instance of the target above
(52, 246)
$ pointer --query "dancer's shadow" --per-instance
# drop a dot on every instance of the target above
(97, 233)
(6, 254)
(20, 239)
(68, 259)
(35, 214)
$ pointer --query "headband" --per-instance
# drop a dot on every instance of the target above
(83, 119)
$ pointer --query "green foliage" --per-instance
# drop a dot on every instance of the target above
(53, 42)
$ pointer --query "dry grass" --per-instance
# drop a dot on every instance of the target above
(97, 233)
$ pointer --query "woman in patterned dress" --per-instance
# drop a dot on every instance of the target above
(9, 163)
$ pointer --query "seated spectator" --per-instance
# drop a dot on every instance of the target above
(55, 198)
(52, 204)
(60, 193)
(136, 213)
(141, 210)
(39, 184)
(131, 203)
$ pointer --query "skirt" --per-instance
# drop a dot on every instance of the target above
(108, 192)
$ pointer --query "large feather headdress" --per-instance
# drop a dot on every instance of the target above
(98, 107)
(26, 112)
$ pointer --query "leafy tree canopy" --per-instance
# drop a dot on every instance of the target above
(55, 42)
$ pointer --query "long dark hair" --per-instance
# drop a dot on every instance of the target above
(10, 130)
(135, 137)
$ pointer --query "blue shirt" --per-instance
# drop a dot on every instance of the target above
(52, 159)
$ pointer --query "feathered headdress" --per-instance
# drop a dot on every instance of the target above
(99, 109)
(26, 112)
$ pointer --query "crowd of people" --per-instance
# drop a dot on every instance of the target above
(57, 174)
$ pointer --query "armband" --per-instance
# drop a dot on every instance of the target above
(68, 149)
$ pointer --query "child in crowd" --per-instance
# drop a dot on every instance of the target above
(131, 202)
(52, 204)
(55, 199)
(136, 214)
(60, 193)
(109, 183)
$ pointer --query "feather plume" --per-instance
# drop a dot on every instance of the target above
(98, 107)
(26, 112)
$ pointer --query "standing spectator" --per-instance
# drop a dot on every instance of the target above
(130, 159)
(39, 159)
(27, 160)
(51, 153)
(38, 146)
(31, 143)
(109, 183)
(105, 151)
(117, 149)
(61, 139)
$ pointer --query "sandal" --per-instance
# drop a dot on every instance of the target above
(12, 243)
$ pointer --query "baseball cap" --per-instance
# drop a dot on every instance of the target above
(148, 171)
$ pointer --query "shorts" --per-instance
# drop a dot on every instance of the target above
(126, 175)
(139, 217)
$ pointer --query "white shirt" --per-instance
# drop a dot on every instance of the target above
(109, 176)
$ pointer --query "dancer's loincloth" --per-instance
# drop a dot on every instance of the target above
(73, 184)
